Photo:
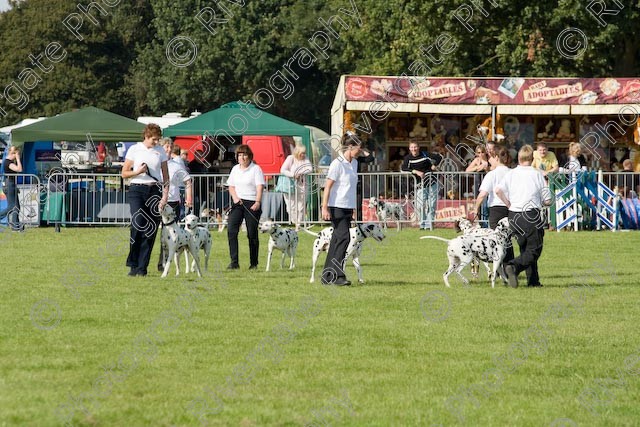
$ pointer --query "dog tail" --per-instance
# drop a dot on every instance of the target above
(306, 230)
(435, 237)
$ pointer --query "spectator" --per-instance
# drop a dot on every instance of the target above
(146, 164)
(576, 161)
(297, 167)
(497, 208)
(246, 183)
(338, 204)
(628, 182)
(199, 166)
(422, 165)
(184, 155)
(480, 162)
(524, 192)
(544, 160)
(12, 165)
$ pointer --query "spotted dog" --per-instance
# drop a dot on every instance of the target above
(491, 248)
(283, 239)
(175, 239)
(357, 235)
(387, 211)
(201, 237)
(468, 228)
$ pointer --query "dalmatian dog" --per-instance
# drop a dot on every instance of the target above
(175, 240)
(202, 238)
(387, 211)
(357, 235)
(283, 239)
(466, 227)
(490, 248)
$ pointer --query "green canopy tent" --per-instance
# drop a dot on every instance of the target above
(239, 118)
(76, 125)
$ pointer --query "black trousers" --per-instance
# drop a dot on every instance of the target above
(529, 232)
(333, 266)
(145, 218)
(496, 213)
(13, 205)
(236, 215)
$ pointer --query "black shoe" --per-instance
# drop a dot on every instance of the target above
(537, 285)
(342, 282)
(233, 266)
(511, 275)
(253, 267)
(132, 272)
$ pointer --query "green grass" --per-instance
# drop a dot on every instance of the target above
(252, 348)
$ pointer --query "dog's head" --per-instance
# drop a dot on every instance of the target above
(462, 225)
(207, 213)
(373, 202)
(371, 229)
(190, 222)
(267, 226)
(167, 214)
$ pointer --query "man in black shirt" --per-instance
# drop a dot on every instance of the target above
(421, 164)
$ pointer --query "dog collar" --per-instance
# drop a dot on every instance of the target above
(169, 223)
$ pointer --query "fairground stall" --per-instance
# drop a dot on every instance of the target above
(452, 115)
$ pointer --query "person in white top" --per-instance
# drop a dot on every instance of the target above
(178, 178)
(246, 184)
(497, 208)
(338, 205)
(146, 165)
(297, 167)
(524, 192)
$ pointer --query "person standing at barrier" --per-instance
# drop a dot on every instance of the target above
(12, 165)
(338, 205)
(524, 192)
(497, 208)
(146, 165)
(544, 160)
(178, 178)
(492, 155)
(246, 184)
(297, 167)
(422, 165)
(199, 166)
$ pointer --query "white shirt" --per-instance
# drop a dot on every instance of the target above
(153, 157)
(489, 183)
(345, 175)
(525, 188)
(178, 175)
(246, 181)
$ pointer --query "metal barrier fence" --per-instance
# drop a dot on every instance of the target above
(29, 192)
(101, 199)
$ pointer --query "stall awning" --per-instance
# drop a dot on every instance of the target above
(394, 107)
(455, 109)
(609, 109)
(540, 110)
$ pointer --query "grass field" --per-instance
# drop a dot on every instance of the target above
(83, 344)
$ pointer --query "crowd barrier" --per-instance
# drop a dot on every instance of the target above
(102, 199)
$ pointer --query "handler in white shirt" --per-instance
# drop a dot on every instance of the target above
(524, 192)
(338, 205)
(246, 183)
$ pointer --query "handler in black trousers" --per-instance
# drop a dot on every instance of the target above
(524, 191)
(338, 204)
(246, 184)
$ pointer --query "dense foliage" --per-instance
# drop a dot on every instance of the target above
(149, 57)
